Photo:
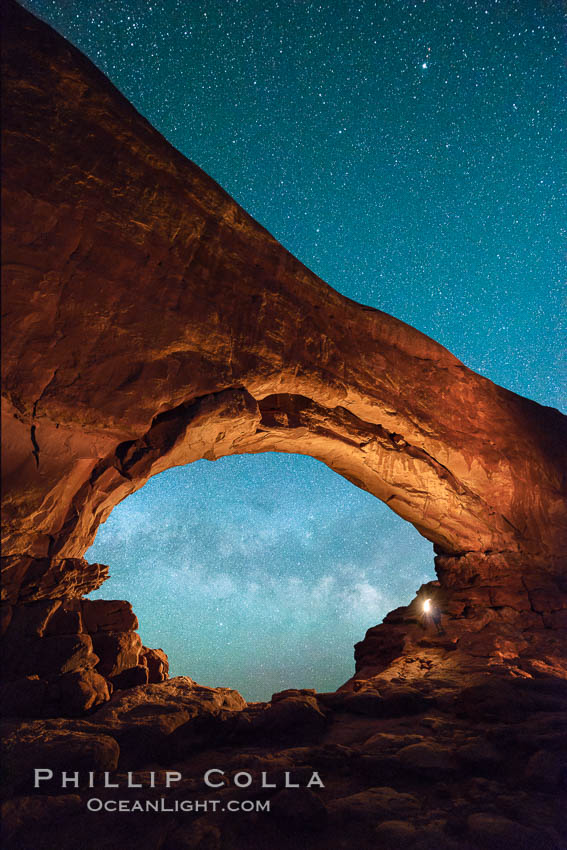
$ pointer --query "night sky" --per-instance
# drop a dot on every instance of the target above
(410, 154)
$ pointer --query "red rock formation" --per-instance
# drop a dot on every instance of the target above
(27, 579)
(67, 656)
(157, 663)
(149, 321)
(426, 765)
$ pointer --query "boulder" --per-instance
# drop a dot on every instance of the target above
(369, 702)
(299, 715)
(30, 620)
(494, 832)
(403, 701)
(130, 678)
(23, 815)
(59, 749)
(299, 809)
(543, 771)
(143, 717)
(117, 651)
(66, 620)
(428, 760)
(104, 615)
(157, 663)
(292, 692)
(395, 834)
(493, 700)
(79, 691)
(479, 756)
(51, 656)
(374, 804)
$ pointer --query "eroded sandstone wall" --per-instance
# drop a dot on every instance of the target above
(150, 322)
(66, 656)
(498, 613)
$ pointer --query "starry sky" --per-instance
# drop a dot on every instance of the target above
(409, 153)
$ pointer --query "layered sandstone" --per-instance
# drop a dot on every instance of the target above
(65, 657)
(498, 613)
(149, 322)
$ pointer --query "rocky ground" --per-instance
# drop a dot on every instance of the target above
(454, 740)
(406, 761)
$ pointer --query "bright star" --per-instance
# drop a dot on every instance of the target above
(424, 65)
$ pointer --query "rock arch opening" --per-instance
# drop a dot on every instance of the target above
(258, 572)
(151, 322)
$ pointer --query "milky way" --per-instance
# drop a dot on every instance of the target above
(409, 153)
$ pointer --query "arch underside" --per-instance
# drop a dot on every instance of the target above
(406, 478)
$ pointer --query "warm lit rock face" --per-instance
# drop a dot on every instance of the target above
(498, 613)
(149, 322)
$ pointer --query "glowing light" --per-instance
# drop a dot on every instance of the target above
(424, 65)
(427, 606)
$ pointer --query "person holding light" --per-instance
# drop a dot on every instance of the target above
(432, 613)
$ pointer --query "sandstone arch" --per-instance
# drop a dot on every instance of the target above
(149, 321)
